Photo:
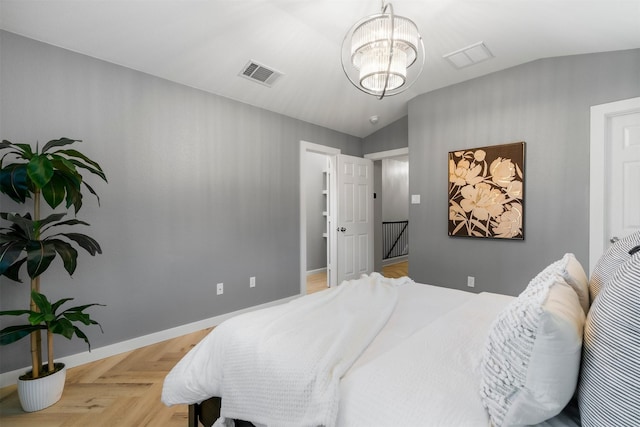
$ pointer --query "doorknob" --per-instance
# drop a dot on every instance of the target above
(613, 239)
(342, 229)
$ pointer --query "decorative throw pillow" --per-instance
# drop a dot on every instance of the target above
(531, 360)
(573, 273)
(610, 261)
(608, 393)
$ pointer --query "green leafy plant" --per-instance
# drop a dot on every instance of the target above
(30, 237)
(52, 174)
(47, 318)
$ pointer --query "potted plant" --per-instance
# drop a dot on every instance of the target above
(52, 174)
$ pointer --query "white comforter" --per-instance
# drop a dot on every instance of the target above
(420, 370)
(429, 379)
(282, 365)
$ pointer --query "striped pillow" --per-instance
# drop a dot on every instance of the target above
(609, 389)
(610, 261)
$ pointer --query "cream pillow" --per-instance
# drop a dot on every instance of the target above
(531, 360)
(573, 273)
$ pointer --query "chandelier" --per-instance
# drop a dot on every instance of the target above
(383, 54)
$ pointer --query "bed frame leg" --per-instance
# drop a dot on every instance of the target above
(205, 413)
(193, 415)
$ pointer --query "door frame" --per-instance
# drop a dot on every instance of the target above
(600, 115)
(389, 154)
(310, 147)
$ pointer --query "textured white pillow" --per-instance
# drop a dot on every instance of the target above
(531, 360)
(609, 262)
(609, 390)
(573, 273)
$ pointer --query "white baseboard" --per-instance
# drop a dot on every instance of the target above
(317, 270)
(10, 378)
(395, 260)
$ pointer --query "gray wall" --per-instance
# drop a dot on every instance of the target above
(390, 137)
(544, 103)
(201, 190)
(395, 189)
(315, 205)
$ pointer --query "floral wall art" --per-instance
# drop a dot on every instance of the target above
(486, 192)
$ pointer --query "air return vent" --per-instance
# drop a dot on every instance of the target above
(259, 73)
(469, 55)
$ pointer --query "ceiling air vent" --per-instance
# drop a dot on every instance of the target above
(469, 55)
(259, 73)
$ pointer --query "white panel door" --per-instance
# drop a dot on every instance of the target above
(614, 193)
(623, 187)
(355, 217)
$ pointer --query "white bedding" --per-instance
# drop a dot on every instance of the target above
(282, 365)
(421, 368)
(431, 378)
(418, 305)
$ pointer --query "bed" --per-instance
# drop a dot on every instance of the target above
(393, 352)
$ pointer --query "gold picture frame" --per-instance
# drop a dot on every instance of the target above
(486, 192)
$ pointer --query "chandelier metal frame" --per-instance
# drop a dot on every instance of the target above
(384, 64)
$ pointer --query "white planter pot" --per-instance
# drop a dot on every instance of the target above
(42, 392)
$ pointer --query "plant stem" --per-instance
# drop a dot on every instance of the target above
(35, 283)
(35, 364)
(36, 337)
(50, 350)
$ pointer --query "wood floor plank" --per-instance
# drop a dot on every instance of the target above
(122, 390)
(396, 270)
(90, 372)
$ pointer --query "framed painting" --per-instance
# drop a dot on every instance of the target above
(486, 192)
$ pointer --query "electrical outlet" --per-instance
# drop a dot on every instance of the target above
(252, 282)
(220, 289)
(471, 281)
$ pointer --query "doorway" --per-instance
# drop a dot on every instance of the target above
(317, 205)
(346, 206)
(615, 147)
(391, 257)
(318, 277)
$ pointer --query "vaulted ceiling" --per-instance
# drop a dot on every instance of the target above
(205, 44)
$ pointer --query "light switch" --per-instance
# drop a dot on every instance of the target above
(415, 199)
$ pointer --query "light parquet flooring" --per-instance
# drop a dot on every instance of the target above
(316, 282)
(122, 390)
(399, 269)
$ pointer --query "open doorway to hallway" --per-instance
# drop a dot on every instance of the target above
(395, 192)
(391, 210)
(316, 219)
(391, 214)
